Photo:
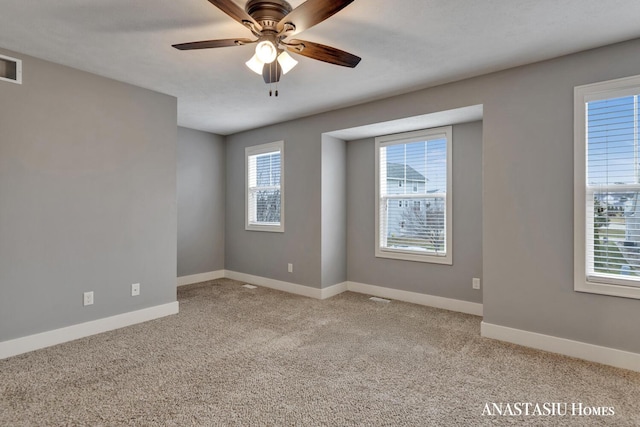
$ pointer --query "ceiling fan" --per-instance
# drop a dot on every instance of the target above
(273, 22)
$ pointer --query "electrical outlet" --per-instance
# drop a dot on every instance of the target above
(135, 289)
(87, 298)
(476, 283)
(290, 268)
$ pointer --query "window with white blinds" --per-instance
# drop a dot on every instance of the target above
(413, 194)
(264, 187)
(607, 200)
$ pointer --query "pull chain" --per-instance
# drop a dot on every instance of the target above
(271, 81)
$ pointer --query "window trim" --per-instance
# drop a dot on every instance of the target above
(583, 94)
(254, 151)
(408, 255)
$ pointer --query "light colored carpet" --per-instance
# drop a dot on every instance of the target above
(235, 356)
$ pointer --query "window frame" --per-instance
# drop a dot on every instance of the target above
(257, 150)
(614, 286)
(407, 254)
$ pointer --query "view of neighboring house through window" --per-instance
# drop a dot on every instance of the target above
(413, 186)
(265, 205)
(607, 158)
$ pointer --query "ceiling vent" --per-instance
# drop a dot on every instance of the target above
(10, 69)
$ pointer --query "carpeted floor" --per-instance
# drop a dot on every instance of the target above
(235, 356)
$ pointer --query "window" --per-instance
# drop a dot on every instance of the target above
(264, 187)
(607, 188)
(421, 163)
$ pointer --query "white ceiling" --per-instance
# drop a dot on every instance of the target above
(405, 45)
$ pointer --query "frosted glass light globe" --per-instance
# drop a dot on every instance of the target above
(266, 51)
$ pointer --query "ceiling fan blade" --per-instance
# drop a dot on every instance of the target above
(323, 53)
(209, 44)
(236, 12)
(310, 13)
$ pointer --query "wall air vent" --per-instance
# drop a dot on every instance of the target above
(10, 69)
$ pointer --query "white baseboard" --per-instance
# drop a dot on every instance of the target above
(333, 290)
(81, 330)
(280, 285)
(202, 277)
(581, 350)
(379, 291)
(416, 298)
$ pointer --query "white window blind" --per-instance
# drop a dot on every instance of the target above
(608, 232)
(414, 196)
(613, 185)
(264, 187)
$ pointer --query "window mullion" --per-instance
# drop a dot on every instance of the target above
(415, 196)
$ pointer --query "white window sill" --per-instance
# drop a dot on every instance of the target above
(267, 228)
(607, 289)
(414, 256)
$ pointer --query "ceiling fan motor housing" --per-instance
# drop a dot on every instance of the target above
(268, 12)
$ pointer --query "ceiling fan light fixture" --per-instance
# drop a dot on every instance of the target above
(286, 62)
(255, 64)
(266, 52)
(272, 22)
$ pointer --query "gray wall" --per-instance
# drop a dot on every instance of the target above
(87, 198)
(334, 211)
(528, 202)
(201, 185)
(527, 210)
(450, 281)
(267, 254)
